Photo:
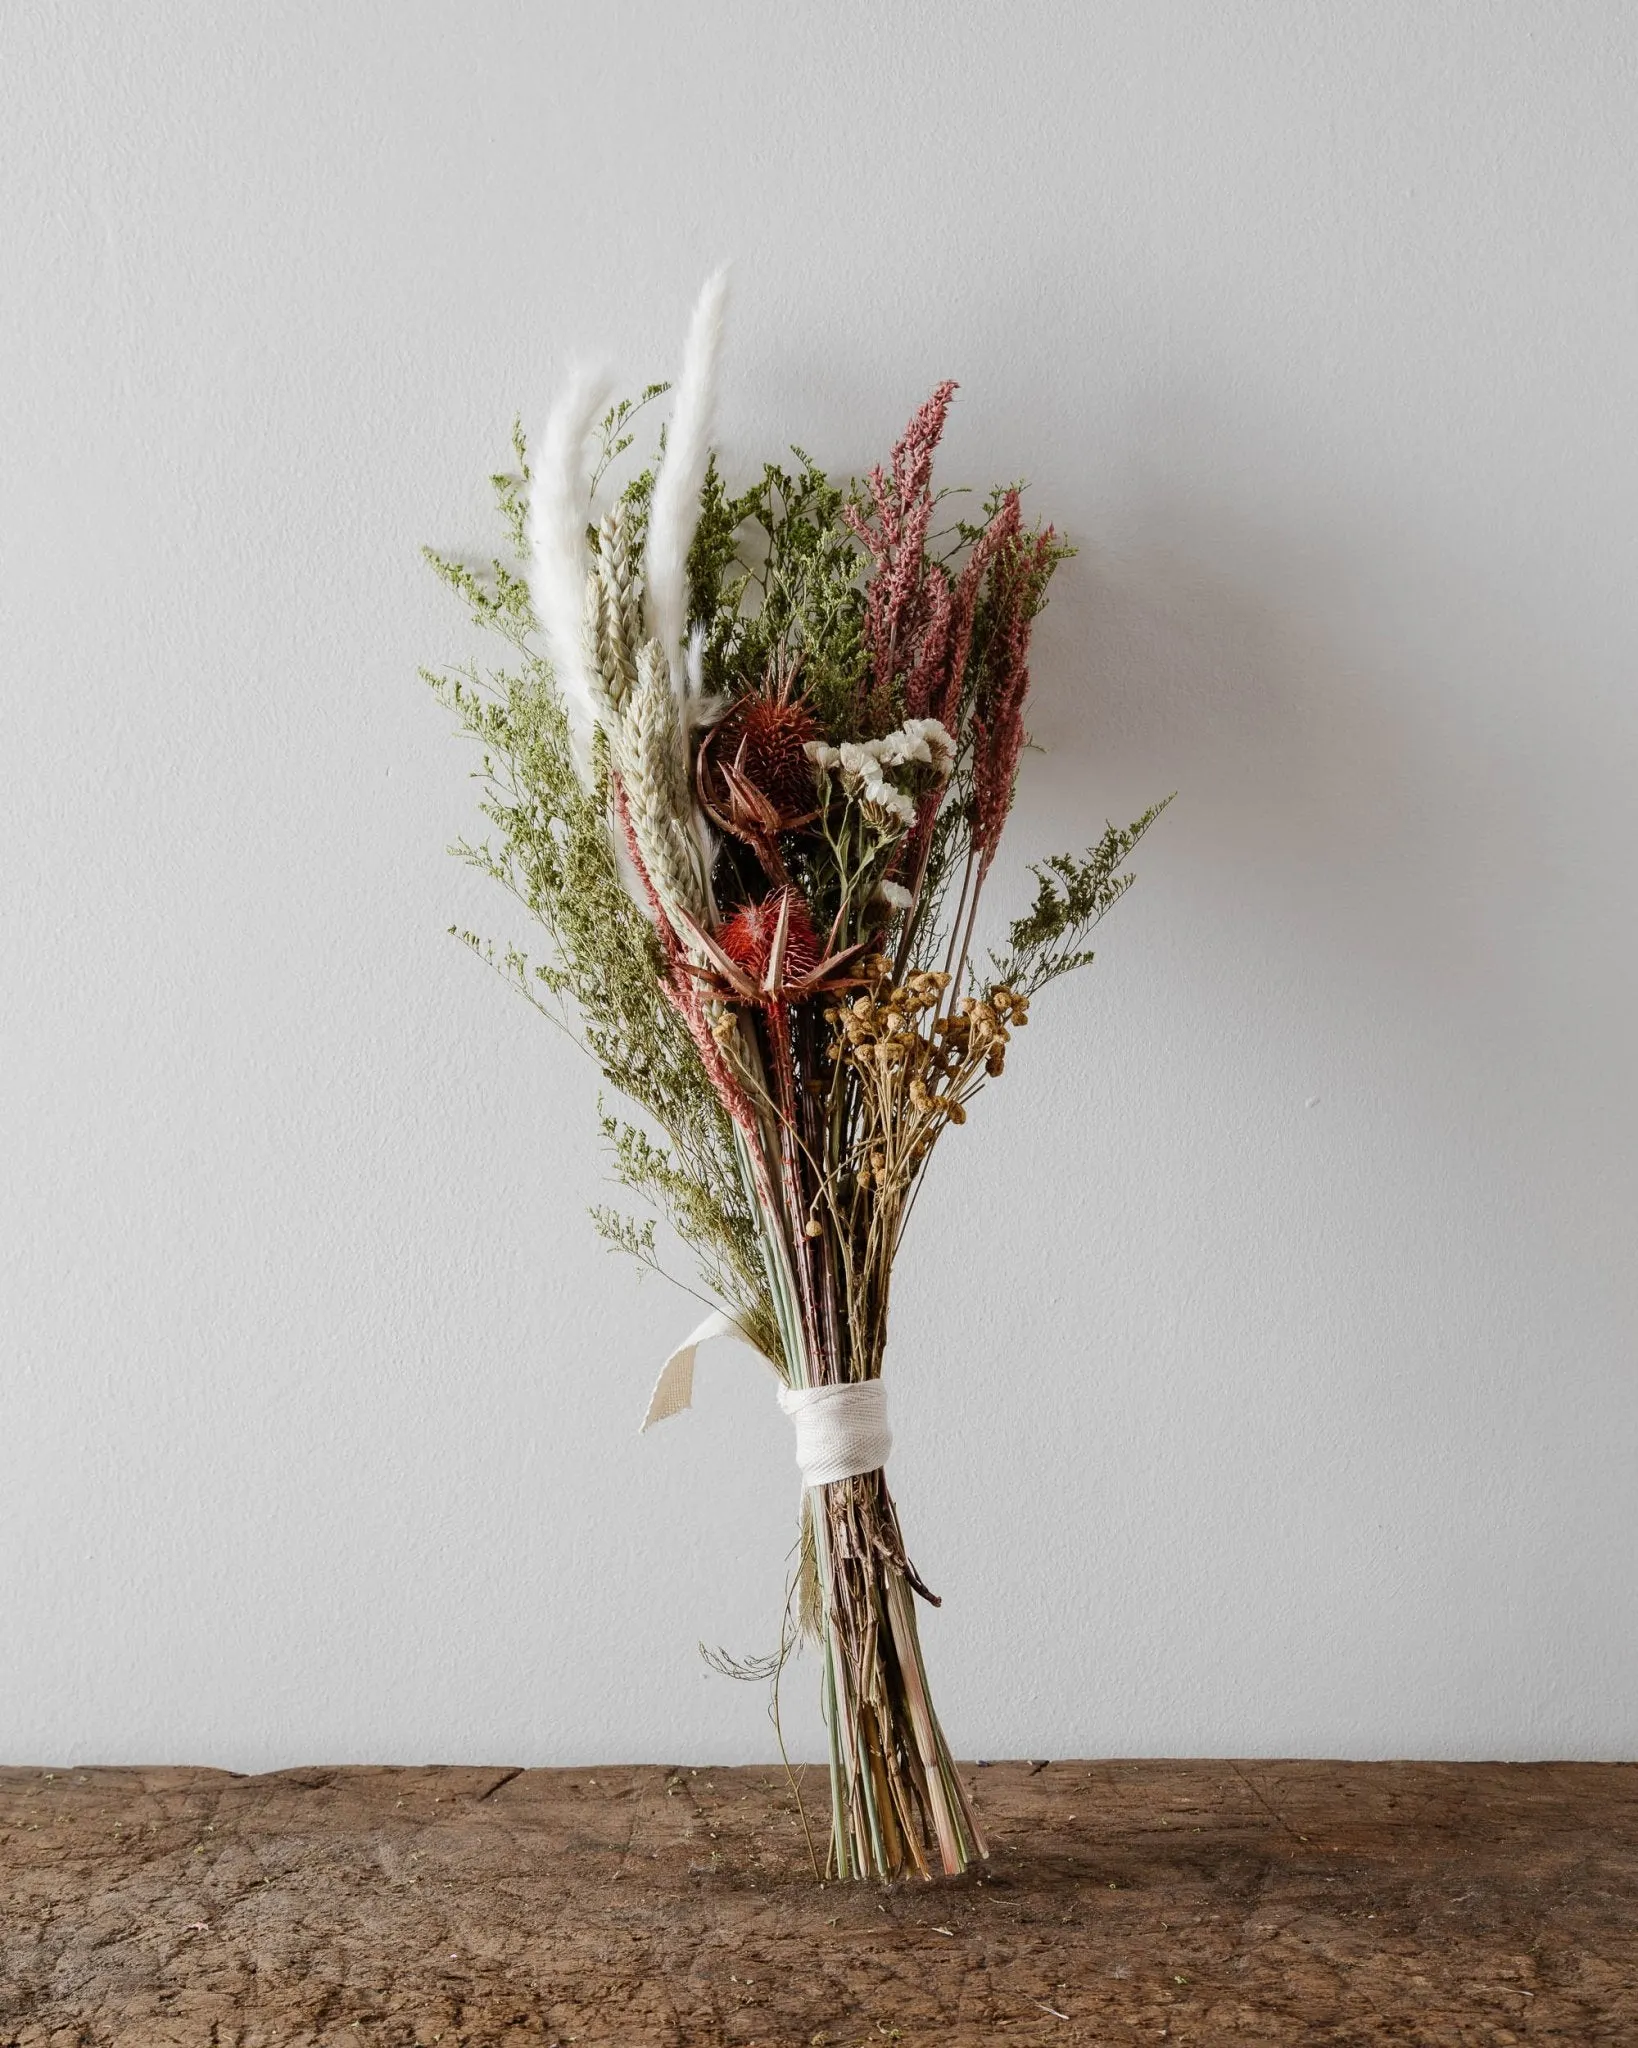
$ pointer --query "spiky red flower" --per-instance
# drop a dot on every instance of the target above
(748, 937)
(759, 742)
(769, 954)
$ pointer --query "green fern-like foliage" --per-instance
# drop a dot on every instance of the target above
(600, 976)
(1073, 894)
(775, 578)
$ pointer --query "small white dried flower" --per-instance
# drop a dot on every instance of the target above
(933, 738)
(894, 894)
(861, 766)
(886, 806)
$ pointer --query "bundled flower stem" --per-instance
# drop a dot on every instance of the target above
(749, 772)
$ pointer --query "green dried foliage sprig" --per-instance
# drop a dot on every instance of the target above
(1073, 894)
(776, 583)
(602, 978)
(614, 435)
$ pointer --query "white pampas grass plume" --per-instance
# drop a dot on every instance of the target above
(675, 510)
(558, 562)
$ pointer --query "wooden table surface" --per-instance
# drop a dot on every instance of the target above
(1182, 1902)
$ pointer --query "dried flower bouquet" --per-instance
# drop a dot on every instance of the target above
(748, 769)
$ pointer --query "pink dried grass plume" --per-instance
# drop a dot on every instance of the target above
(906, 608)
(943, 696)
(1022, 564)
(1001, 532)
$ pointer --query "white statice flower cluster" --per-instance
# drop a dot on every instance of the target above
(862, 766)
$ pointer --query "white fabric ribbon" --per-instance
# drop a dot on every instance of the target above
(674, 1389)
(840, 1431)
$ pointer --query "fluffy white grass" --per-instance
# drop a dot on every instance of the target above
(673, 516)
(558, 562)
(675, 510)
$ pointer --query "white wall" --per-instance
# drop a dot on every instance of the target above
(1264, 1368)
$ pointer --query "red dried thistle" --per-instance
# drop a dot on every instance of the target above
(768, 953)
(753, 778)
(1022, 564)
(749, 935)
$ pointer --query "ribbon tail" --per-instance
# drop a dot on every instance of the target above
(674, 1389)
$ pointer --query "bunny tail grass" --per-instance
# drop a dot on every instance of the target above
(558, 562)
(676, 506)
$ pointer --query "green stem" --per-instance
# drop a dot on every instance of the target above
(838, 1816)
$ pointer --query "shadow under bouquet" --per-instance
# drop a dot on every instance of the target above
(748, 768)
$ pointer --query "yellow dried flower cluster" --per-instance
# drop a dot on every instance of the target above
(917, 1062)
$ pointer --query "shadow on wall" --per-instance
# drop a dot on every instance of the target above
(1306, 1376)
(1339, 804)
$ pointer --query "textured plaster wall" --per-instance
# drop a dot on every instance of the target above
(1264, 1366)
